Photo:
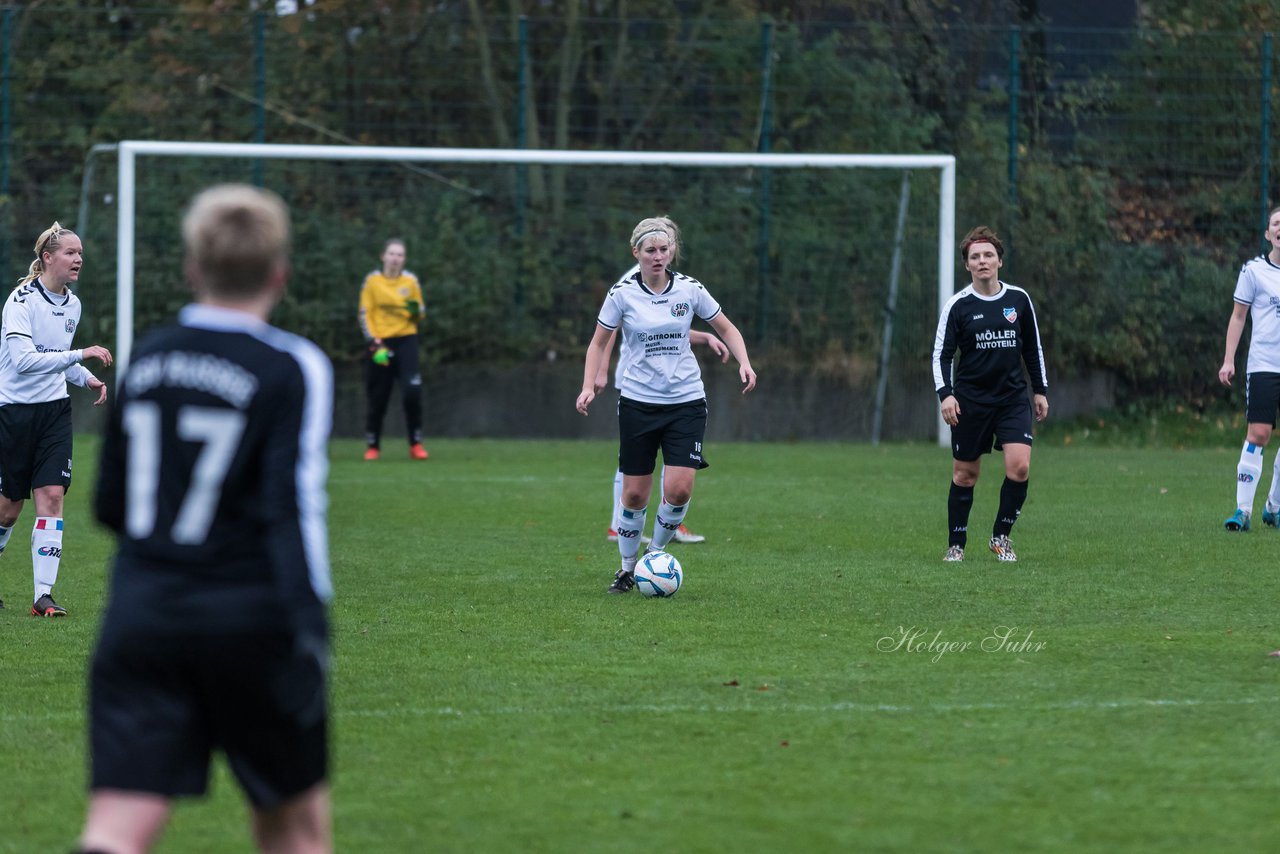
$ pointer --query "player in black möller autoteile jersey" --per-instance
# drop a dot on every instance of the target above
(986, 335)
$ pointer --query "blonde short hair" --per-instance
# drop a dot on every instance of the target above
(236, 236)
(646, 228)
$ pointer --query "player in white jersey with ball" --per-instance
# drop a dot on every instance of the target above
(662, 402)
(1257, 296)
(714, 344)
(36, 363)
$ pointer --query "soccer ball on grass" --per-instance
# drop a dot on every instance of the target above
(658, 574)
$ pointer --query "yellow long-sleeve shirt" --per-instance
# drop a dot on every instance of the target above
(390, 308)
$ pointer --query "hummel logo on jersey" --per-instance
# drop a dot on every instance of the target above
(662, 301)
(680, 309)
(977, 317)
(1011, 314)
(59, 314)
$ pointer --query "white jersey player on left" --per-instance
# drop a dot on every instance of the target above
(36, 363)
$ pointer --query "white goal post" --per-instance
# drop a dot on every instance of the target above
(129, 151)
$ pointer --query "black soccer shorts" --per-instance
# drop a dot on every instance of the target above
(676, 428)
(1261, 398)
(981, 426)
(159, 707)
(35, 447)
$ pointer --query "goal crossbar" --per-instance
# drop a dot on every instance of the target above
(127, 153)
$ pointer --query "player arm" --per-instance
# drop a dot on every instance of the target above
(79, 375)
(1033, 353)
(28, 360)
(1235, 330)
(944, 352)
(706, 338)
(366, 313)
(732, 338)
(417, 305)
(602, 372)
(597, 353)
(292, 485)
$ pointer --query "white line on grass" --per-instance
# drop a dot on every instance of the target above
(803, 708)
(720, 709)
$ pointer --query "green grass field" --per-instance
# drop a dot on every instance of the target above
(489, 697)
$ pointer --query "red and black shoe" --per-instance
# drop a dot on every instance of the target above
(46, 607)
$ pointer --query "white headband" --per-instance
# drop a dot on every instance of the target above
(642, 238)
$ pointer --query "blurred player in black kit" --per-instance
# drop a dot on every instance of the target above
(213, 478)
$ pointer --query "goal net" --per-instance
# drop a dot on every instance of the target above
(516, 248)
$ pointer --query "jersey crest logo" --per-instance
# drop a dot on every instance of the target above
(1011, 315)
(70, 326)
(680, 309)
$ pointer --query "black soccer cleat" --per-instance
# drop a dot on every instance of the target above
(623, 582)
(46, 607)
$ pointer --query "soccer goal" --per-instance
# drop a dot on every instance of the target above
(515, 246)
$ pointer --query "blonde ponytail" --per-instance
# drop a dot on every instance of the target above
(48, 241)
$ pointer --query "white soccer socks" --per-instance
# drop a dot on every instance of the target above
(4, 537)
(46, 552)
(1248, 470)
(1273, 497)
(630, 524)
(670, 518)
(617, 499)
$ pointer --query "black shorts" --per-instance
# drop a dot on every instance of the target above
(979, 426)
(35, 447)
(1261, 398)
(676, 428)
(159, 707)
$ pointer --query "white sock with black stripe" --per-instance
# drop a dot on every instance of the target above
(670, 517)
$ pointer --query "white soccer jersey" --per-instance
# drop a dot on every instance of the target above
(655, 362)
(36, 359)
(1259, 287)
(624, 351)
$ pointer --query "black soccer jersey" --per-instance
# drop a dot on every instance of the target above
(993, 338)
(213, 476)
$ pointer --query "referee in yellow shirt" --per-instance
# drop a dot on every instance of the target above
(390, 311)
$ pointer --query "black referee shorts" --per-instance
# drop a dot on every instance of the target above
(159, 707)
(676, 428)
(35, 447)
(1261, 398)
(981, 426)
